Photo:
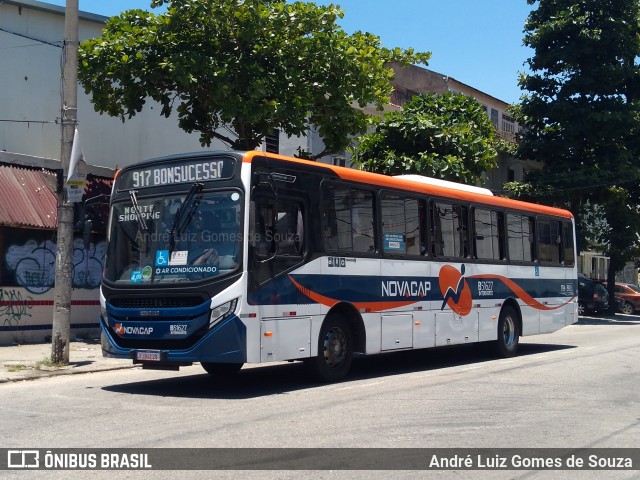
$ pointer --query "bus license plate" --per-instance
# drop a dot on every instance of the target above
(148, 355)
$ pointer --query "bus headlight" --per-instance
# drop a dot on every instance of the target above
(104, 314)
(223, 311)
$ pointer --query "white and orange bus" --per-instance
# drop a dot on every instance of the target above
(227, 258)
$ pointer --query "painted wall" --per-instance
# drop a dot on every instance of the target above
(27, 289)
(30, 56)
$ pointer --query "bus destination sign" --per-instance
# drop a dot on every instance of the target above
(184, 171)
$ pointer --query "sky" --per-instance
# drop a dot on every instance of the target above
(477, 42)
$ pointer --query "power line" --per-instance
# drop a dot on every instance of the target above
(28, 121)
(31, 38)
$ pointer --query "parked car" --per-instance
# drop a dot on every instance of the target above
(592, 296)
(629, 296)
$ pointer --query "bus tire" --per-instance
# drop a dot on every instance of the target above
(508, 333)
(222, 370)
(335, 350)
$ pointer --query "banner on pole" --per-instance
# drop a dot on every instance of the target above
(77, 175)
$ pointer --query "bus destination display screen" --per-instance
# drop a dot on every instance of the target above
(183, 171)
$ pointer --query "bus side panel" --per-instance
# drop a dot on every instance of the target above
(454, 329)
(527, 277)
(456, 318)
(339, 273)
(423, 322)
(553, 298)
(487, 297)
(285, 339)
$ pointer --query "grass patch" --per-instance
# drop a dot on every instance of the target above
(47, 362)
(16, 368)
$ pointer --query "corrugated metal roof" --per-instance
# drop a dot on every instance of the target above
(27, 198)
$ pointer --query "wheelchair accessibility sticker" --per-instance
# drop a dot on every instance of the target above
(162, 258)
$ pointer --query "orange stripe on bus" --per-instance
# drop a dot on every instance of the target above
(521, 293)
(379, 180)
(330, 302)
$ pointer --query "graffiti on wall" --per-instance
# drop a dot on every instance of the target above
(13, 307)
(88, 264)
(34, 265)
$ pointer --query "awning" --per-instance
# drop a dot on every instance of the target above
(27, 197)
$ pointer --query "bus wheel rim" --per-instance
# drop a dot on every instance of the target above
(508, 331)
(335, 343)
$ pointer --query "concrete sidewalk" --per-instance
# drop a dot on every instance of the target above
(32, 361)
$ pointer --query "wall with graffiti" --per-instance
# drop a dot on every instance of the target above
(27, 288)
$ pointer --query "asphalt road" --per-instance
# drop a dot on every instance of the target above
(576, 388)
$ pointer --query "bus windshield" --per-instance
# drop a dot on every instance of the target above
(189, 237)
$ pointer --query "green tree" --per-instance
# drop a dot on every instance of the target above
(445, 136)
(249, 66)
(581, 115)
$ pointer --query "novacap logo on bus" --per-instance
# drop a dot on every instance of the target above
(405, 288)
(122, 330)
(455, 290)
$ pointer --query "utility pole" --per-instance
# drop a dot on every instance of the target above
(61, 331)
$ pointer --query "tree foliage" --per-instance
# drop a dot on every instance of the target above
(445, 136)
(251, 66)
(581, 115)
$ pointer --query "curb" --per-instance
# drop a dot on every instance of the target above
(37, 374)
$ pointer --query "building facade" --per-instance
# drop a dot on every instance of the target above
(413, 80)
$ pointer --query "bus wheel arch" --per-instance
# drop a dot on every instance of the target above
(340, 334)
(353, 317)
(509, 329)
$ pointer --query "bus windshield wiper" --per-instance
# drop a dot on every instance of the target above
(136, 207)
(189, 205)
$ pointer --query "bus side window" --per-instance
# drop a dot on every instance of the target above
(423, 214)
(486, 235)
(437, 247)
(289, 232)
(567, 244)
(521, 238)
(532, 238)
(549, 241)
(401, 225)
(277, 235)
(347, 219)
(362, 221)
(451, 230)
(461, 224)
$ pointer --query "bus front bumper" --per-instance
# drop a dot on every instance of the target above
(225, 343)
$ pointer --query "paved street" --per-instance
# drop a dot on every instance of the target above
(576, 388)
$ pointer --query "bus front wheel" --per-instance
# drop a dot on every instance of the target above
(222, 370)
(508, 332)
(335, 350)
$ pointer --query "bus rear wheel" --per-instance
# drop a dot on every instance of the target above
(222, 370)
(508, 333)
(335, 350)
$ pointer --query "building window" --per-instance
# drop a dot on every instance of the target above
(339, 161)
(400, 95)
(272, 142)
(494, 117)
